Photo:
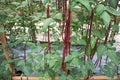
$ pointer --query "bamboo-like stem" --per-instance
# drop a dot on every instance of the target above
(48, 15)
(30, 12)
(65, 47)
(40, 4)
(94, 49)
(86, 47)
(66, 38)
(107, 34)
(91, 22)
(88, 35)
(59, 5)
(25, 53)
(89, 39)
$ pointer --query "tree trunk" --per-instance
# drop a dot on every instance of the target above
(6, 52)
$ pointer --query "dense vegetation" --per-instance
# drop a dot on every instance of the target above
(89, 24)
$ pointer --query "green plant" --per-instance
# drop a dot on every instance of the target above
(90, 24)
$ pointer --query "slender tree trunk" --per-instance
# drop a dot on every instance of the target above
(6, 52)
(30, 11)
(48, 15)
(66, 38)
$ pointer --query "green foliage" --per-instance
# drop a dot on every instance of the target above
(69, 77)
(92, 43)
(113, 11)
(84, 70)
(100, 9)
(73, 56)
(27, 70)
(116, 28)
(97, 33)
(85, 3)
(47, 23)
(1, 29)
(58, 16)
(109, 69)
(82, 42)
(21, 19)
(4, 71)
(112, 3)
(112, 55)
(62, 77)
(90, 65)
(106, 18)
(101, 50)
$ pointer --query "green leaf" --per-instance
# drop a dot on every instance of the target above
(39, 14)
(47, 23)
(36, 67)
(69, 77)
(100, 50)
(45, 2)
(86, 4)
(75, 54)
(82, 42)
(15, 3)
(116, 27)
(36, 17)
(100, 8)
(58, 65)
(51, 63)
(62, 77)
(109, 45)
(113, 3)
(88, 50)
(11, 61)
(90, 65)
(23, 4)
(52, 74)
(1, 29)
(109, 69)
(97, 33)
(84, 70)
(73, 4)
(37, 0)
(48, 56)
(68, 58)
(20, 63)
(112, 55)
(4, 63)
(103, 33)
(38, 57)
(31, 45)
(42, 64)
(92, 42)
(113, 11)
(73, 40)
(27, 70)
(58, 16)
(6, 66)
(76, 61)
(106, 18)
(46, 74)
